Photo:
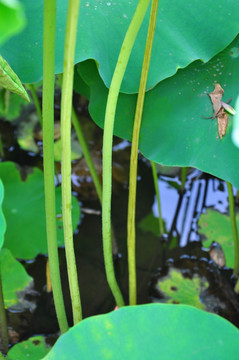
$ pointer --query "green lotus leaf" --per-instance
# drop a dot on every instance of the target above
(12, 19)
(180, 290)
(173, 130)
(24, 210)
(101, 29)
(10, 105)
(32, 348)
(178, 332)
(150, 223)
(14, 278)
(76, 150)
(217, 227)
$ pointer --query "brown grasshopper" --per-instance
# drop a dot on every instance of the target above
(218, 109)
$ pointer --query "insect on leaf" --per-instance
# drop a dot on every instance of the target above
(216, 97)
(218, 109)
(228, 108)
(9, 80)
(222, 121)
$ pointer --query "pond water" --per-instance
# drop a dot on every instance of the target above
(180, 248)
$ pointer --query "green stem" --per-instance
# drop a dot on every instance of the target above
(237, 196)
(86, 153)
(66, 110)
(134, 155)
(31, 87)
(155, 177)
(184, 171)
(90, 164)
(92, 169)
(236, 289)
(3, 318)
(48, 158)
(120, 68)
(1, 147)
(234, 228)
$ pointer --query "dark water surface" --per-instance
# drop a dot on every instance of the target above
(180, 247)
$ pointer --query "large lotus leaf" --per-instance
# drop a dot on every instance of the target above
(12, 19)
(14, 278)
(173, 131)
(33, 348)
(2, 219)
(184, 33)
(217, 227)
(24, 210)
(153, 331)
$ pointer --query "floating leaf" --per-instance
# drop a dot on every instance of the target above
(153, 331)
(180, 290)
(10, 81)
(25, 133)
(10, 105)
(217, 227)
(150, 223)
(14, 278)
(24, 210)
(76, 150)
(34, 348)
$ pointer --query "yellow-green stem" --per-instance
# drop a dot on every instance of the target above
(234, 228)
(48, 158)
(134, 156)
(184, 171)
(120, 68)
(31, 87)
(155, 177)
(1, 147)
(3, 318)
(86, 153)
(66, 108)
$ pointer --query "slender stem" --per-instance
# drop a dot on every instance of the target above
(86, 153)
(48, 158)
(237, 196)
(120, 68)
(66, 110)
(3, 318)
(1, 147)
(236, 288)
(134, 155)
(48, 277)
(31, 87)
(234, 228)
(91, 166)
(184, 171)
(155, 177)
